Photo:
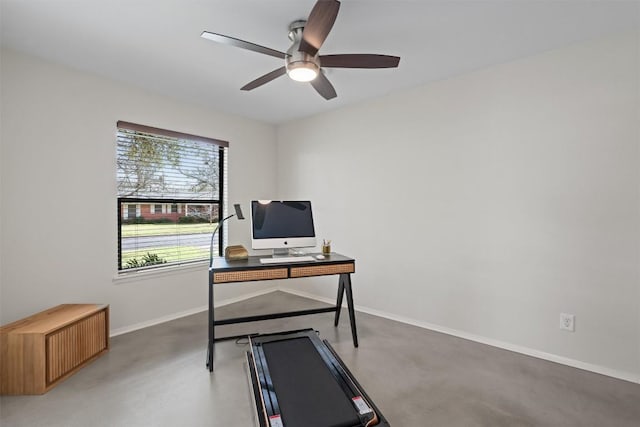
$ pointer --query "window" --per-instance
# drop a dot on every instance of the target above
(170, 196)
(132, 211)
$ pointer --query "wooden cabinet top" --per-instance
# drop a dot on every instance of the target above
(51, 319)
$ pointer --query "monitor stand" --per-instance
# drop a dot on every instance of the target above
(287, 252)
(280, 252)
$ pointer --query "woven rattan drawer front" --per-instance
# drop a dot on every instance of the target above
(249, 275)
(322, 270)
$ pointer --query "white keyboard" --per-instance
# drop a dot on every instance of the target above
(286, 259)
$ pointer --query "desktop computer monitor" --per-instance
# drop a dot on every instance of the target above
(281, 225)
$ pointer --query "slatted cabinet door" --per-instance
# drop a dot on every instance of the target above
(73, 345)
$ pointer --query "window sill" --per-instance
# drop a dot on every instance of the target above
(135, 276)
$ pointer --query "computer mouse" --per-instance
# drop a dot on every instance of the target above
(319, 256)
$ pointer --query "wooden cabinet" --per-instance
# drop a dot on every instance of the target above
(38, 352)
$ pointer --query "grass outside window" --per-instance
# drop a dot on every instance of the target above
(168, 253)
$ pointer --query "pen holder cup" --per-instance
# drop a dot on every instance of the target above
(326, 249)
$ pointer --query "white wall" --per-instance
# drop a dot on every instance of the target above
(58, 217)
(488, 203)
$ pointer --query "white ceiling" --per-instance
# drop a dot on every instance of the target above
(156, 44)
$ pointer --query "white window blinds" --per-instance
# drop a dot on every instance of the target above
(184, 173)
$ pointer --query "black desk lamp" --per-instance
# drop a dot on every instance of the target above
(238, 214)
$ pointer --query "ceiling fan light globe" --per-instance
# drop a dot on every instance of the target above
(303, 72)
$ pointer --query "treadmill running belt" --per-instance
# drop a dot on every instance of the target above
(305, 388)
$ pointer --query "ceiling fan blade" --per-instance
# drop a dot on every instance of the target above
(265, 79)
(318, 25)
(323, 86)
(219, 38)
(358, 60)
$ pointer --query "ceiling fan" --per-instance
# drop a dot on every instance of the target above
(302, 61)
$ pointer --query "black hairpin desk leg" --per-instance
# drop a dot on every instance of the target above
(339, 299)
(211, 328)
(345, 286)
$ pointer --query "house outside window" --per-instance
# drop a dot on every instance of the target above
(170, 196)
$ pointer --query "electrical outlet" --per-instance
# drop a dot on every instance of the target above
(567, 322)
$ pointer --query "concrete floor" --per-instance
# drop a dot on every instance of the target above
(157, 377)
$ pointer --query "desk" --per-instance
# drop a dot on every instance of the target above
(225, 271)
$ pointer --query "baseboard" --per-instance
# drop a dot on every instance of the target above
(627, 376)
(174, 316)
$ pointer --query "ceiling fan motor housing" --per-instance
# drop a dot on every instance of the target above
(297, 60)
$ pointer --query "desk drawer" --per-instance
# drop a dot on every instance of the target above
(249, 275)
(322, 270)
